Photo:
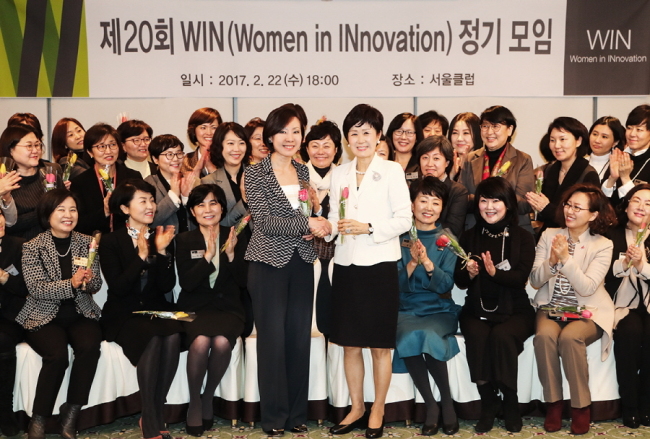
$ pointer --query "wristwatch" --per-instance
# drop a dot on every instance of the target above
(371, 229)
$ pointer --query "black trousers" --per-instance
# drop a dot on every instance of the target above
(632, 354)
(282, 307)
(493, 348)
(51, 342)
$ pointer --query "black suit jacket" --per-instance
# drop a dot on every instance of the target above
(122, 269)
(454, 212)
(194, 275)
(12, 293)
(91, 195)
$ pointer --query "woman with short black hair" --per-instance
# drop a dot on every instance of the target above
(136, 137)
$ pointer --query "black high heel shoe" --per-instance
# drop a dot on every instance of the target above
(360, 423)
(374, 433)
(194, 430)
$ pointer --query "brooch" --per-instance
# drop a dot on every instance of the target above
(376, 176)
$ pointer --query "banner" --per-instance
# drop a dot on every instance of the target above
(190, 48)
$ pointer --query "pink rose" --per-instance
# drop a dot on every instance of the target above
(50, 178)
(443, 241)
(586, 314)
(345, 193)
(303, 195)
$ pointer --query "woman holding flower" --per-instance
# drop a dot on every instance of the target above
(627, 284)
(67, 139)
(570, 268)
(428, 317)
(365, 287)
(498, 125)
(497, 317)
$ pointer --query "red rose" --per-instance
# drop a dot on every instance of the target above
(303, 195)
(443, 241)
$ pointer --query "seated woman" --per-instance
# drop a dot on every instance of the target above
(497, 317)
(568, 141)
(12, 298)
(60, 310)
(211, 288)
(435, 157)
(229, 152)
(570, 268)
(428, 317)
(138, 267)
(627, 284)
(136, 138)
(167, 152)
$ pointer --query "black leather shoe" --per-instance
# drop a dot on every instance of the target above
(274, 432)
(208, 423)
(450, 429)
(645, 420)
(302, 428)
(360, 423)
(36, 428)
(69, 414)
(429, 430)
(374, 433)
(631, 421)
(194, 430)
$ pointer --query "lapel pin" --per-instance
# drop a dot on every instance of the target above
(376, 176)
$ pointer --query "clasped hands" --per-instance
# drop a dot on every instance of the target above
(634, 255)
(473, 268)
(559, 250)
(83, 275)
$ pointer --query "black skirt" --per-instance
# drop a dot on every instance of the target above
(138, 330)
(365, 302)
(212, 322)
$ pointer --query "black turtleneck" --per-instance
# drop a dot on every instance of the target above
(322, 171)
(493, 156)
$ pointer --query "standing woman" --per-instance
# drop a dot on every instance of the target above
(365, 287)
(60, 310)
(568, 143)
(570, 268)
(211, 288)
(605, 134)
(403, 134)
(465, 136)
(428, 317)
(497, 317)
(138, 267)
(254, 130)
(498, 125)
(230, 153)
(68, 136)
(136, 138)
(627, 284)
(200, 130)
(281, 274)
(103, 144)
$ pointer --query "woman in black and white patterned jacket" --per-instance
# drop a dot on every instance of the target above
(60, 310)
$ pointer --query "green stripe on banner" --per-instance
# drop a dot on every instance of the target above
(57, 10)
(43, 89)
(6, 81)
(12, 39)
(50, 47)
(81, 84)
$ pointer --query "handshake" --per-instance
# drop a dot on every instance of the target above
(319, 227)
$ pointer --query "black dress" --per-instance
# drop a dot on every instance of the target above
(12, 293)
(219, 309)
(135, 285)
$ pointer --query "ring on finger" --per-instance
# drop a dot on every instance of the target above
(348, 230)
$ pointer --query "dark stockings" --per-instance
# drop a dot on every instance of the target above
(419, 368)
(156, 370)
(211, 355)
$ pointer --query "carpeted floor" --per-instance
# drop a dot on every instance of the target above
(127, 428)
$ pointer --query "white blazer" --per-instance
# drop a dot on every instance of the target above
(586, 271)
(382, 200)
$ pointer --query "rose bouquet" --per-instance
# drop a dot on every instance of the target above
(171, 315)
(345, 193)
(49, 179)
(569, 312)
(447, 239)
(241, 225)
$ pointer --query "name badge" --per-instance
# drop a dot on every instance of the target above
(12, 270)
(503, 265)
(412, 175)
(406, 243)
(197, 254)
(621, 255)
(81, 262)
(637, 182)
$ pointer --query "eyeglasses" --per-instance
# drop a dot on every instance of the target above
(32, 146)
(101, 147)
(574, 208)
(172, 155)
(496, 127)
(407, 133)
(137, 141)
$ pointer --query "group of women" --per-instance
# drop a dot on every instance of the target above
(245, 216)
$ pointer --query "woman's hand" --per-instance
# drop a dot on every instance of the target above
(82, 275)
(319, 227)
(489, 265)
(142, 243)
(353, 227)
(211, 250)
(559, 250)
(537, 201)
(315, 202)
(163, 238)
(232, 242)
(415, 253)
(472, 268)
(625, 167)
(459, 159)
(633, 254)
(9, 183)
(107, 209)
(4, 276)
(175, 183)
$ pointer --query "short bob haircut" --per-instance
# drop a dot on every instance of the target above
(199, 117)
(132, 128)
(432, 143)
(27, 119)
(621, 215)
(499, 114)
(252, 125)
(598, 202)
(575, 128)
(639, 116)
(497, 188)
(199, 193)
(162, 143)
(60, 137)
(12, 135)
(319, 132)
(397, 123)
(97, 132)
(49, 202)
(431, 116)
(473, 123)
(124, 193)
(277, 120)
(216, 150)
(429, 186)
(362, 114)
(618, 130)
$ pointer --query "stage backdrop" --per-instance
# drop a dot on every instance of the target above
(190, 48)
